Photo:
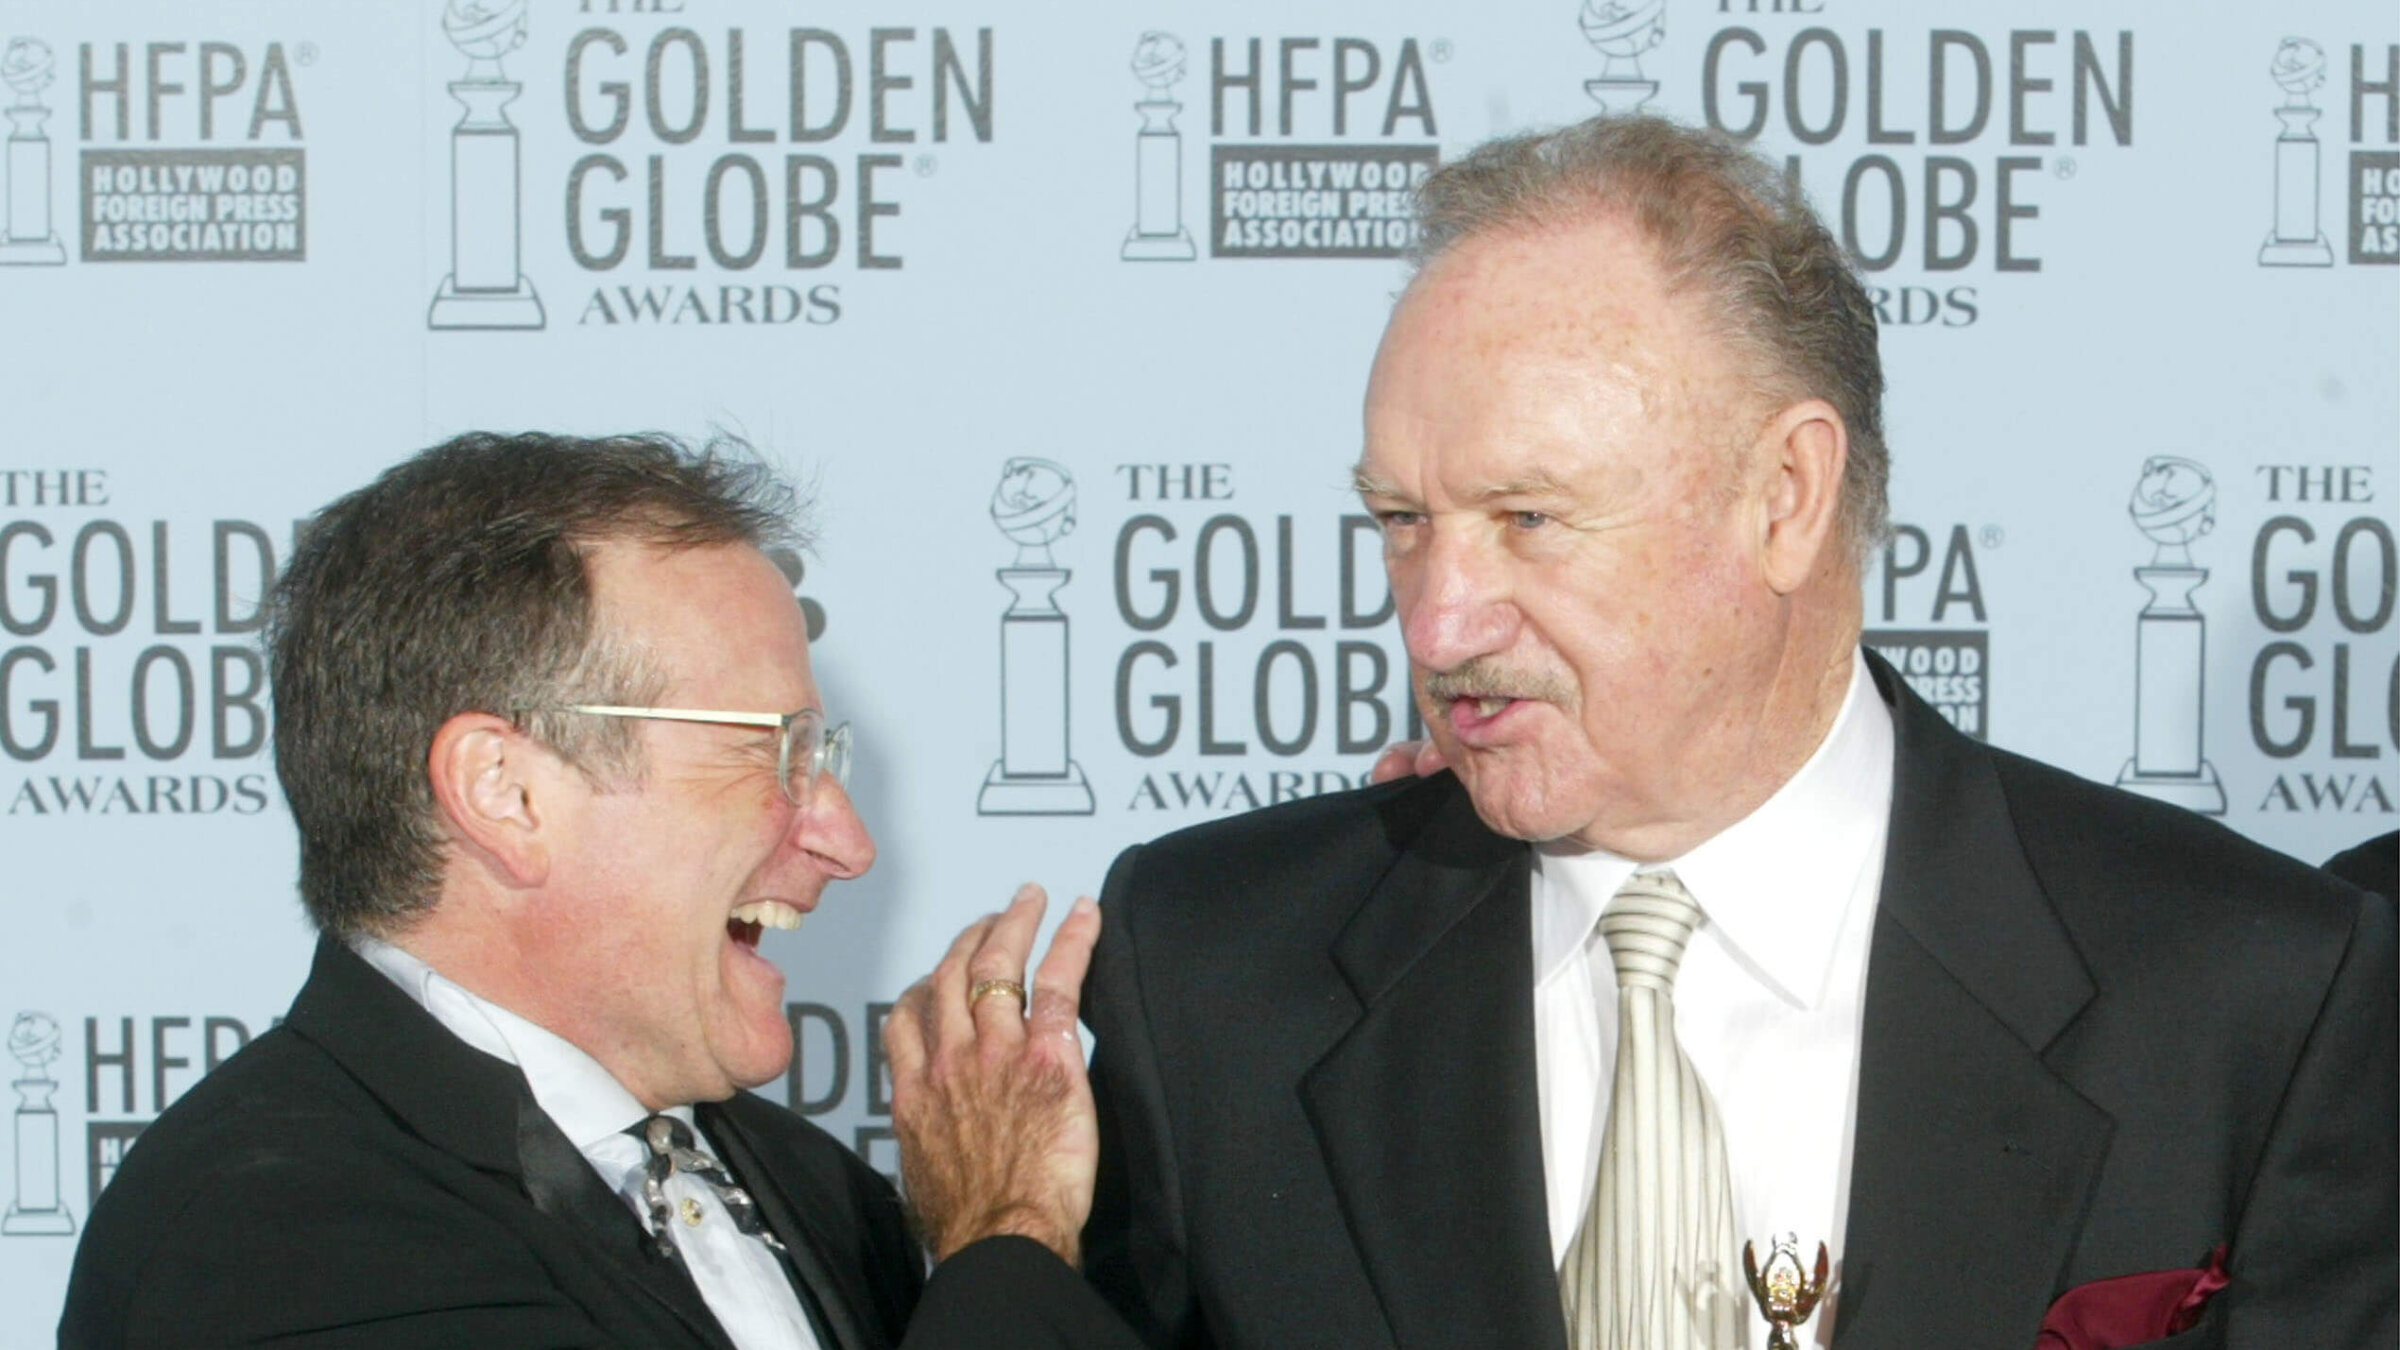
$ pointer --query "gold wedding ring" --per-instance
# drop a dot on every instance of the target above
(984, 988)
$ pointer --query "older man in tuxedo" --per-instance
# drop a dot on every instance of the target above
(1713, 931)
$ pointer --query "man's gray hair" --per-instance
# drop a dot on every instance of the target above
(1728, 227)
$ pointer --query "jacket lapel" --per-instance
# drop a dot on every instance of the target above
(1428, 1109)
(829, 1288)
(1972, 1162)
(478, 1109)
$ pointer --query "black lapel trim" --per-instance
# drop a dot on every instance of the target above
(478, 1109)
(1972, 1163)
(454, 1096)
(1428, 1110)
(561, 1183)
(828, 1286)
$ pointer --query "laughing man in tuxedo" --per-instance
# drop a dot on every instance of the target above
(1714, 931)
(545, 718)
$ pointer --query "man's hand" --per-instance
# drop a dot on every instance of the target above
(989, 1098)
(1402, 759)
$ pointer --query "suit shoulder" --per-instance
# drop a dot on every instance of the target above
(280, 1161)
(1291, 843)
(2148, 870)
(279, 1096)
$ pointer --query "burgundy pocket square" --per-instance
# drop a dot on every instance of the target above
(2130, 1309)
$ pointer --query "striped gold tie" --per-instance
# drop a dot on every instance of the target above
(1654, 1265)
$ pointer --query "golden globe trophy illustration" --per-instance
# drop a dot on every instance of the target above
(1158, 234)
(2297, 240)
(2174, 503)
(485, 288)
(26, 237)
(1621, 30)
(1036, 774)
(1786, 1293)
(37, 1207)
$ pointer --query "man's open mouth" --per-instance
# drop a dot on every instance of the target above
(749, 922)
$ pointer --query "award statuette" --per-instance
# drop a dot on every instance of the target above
(1036, 774)
(1621, 31)
(1158, 234)
(2298, 239)
(26, 237)
(37, 1206)
(2174, 503)
(486, 287)
(1786, 1294)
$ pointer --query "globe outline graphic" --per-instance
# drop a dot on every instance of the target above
(2174, 503)
(1623, 29)
(1034, 507)
(483, 30)
(1159, 60)
(2298, 68)
(33, 1040)
(28, 66)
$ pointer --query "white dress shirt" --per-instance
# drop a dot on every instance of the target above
(1767, 1003)
(741, 1280)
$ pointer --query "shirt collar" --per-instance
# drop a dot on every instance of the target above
(579, 1095)
(1775, 884)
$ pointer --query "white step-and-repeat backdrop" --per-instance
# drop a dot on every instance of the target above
(1066, 310)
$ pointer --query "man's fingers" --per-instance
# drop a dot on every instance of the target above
(1058, 986)
(1396, 761)
(948, 990)
(1402, 759)
(904, 1036)
(1002, 960)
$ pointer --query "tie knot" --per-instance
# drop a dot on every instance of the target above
(1647, 923)
(663, 1134)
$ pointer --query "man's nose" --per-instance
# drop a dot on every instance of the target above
(830, 830)
(1455, 603)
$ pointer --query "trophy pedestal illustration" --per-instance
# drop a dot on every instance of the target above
(1158, 234)
(1619, 96)
(2297, 240)
(37, 1208)
(1035, 775)
(2170, 651)
(485, 289)
(27, 239)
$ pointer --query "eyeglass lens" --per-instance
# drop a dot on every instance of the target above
(810, 752)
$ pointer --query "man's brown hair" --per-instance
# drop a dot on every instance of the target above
(456, 583)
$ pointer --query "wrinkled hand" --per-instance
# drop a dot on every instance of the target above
(1402, 759)
(991, 1102)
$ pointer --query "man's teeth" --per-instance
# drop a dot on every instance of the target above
(768, 914)
(1489, 707)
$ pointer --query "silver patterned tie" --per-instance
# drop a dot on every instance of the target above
(1654, 1265)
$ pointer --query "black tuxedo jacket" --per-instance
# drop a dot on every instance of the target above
(2101, 1036)
(360, 1178)
(2373, 865)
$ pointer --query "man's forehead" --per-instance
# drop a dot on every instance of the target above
(722, 608)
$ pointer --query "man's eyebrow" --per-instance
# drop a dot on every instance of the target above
(1368, 483)
(1536, 483)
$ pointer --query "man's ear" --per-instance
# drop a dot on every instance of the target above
(492, 784)
(1805, 449)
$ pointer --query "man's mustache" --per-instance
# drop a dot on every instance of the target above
(1484, 677)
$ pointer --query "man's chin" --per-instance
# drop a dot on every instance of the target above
(1509, 809)
(760, 1056)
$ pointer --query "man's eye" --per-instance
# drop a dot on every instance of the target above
(1528, 520)
(1399, 520)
